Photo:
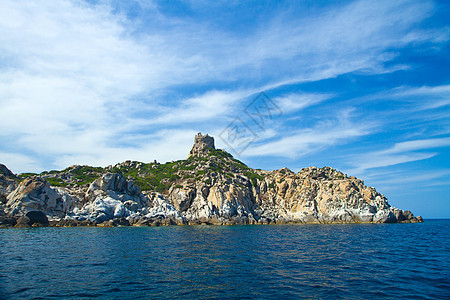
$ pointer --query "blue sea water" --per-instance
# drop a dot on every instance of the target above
(359, 261)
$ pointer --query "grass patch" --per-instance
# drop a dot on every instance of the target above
(55, 181)
(221, 154)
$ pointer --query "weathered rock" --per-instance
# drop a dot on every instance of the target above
(182, 198)
(22, 222)
(36, 194)
(8, 183)
(115, 183)
(6, 172)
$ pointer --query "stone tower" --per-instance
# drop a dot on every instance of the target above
(202, 143)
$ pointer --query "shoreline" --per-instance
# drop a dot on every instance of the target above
(170, 222)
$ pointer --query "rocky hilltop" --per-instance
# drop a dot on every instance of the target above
(209, 187)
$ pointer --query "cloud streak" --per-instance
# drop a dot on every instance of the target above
(305, 141)
(400, 153)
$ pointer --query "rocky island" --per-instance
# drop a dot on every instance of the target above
(209, 187)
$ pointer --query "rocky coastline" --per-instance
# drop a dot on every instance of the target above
(209, 187)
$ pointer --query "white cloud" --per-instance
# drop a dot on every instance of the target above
(303, 142)
(417, 145)
(424, 177)
(402, 152)
(352, 37)
(166, 145)
(426, 97)
(296, 101)
(207, 106)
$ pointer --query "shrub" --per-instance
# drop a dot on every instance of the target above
(253, 177)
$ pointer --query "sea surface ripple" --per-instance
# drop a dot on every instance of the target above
(356, 261)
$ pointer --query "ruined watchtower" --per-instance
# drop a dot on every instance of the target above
(201, 144)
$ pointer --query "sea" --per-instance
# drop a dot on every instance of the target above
(341, 261)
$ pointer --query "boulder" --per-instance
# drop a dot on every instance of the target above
(37, 217)
(36, 194)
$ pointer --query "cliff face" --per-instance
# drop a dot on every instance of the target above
(209, 187)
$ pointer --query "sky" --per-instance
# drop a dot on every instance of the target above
(361, 86)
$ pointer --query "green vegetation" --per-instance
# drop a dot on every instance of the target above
(217, 169)
(84, 174)
(54, 172)
(25, 175)
(254, 177)
(152, 177)
(188, 168)
(239, 164)
(55, 181)
(219, 153)
(85, 170)
(229, 175)
(200, 173)
(85, 179)
(271, 185)
(240, 185)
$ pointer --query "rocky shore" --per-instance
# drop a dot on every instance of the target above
(209, 187)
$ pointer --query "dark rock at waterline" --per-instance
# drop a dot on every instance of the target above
(7, 221)
(37, 218)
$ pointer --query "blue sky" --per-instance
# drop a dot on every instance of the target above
(362, 86)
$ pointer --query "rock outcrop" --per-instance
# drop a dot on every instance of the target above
(210, 187)
(36, 194)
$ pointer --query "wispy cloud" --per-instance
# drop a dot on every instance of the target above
(305, 141)
(402, 152)
(424, 177)
(426, 97)
(207, 106)
(294, 102)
